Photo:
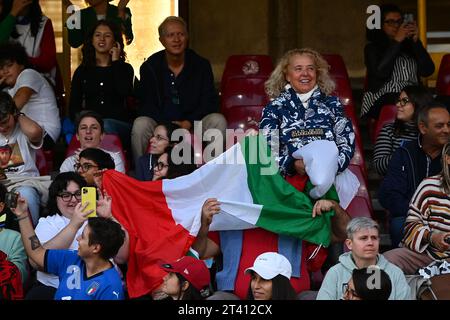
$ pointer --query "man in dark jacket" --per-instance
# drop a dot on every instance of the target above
(176, 85)
(411, 163)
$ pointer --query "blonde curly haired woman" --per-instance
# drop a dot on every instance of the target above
(302, 110)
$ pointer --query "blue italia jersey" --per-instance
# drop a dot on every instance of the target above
(73, 281)
(296, 126)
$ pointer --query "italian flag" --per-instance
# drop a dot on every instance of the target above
(164, 217)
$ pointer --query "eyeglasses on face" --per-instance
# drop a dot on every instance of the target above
(161, 165)
(403, 101)
(159, 137)
(67, 196)
(393, 23)
(84, 167)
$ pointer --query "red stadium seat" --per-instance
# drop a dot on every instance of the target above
(343, 90)
(443, 78)
(110, 142)
(41, 163)
(362, 178)
(358, 158)
(244, 117)
(242, 89)
(244, 92)
(337, 64)
(387, 115)
(246, 66)
(359, 207)
(49, 156)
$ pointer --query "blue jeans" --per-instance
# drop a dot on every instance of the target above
(396, 230)
(121, 128)
(33, 200)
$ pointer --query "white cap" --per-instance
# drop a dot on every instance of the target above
(270, 264)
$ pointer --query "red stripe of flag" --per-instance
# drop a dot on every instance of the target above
(142, 210)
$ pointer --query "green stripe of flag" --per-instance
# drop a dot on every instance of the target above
(285, 209)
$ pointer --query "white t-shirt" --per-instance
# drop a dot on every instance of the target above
(42, 106)
(32, 44)
(22, 160)
(68, 164)
(46, 230)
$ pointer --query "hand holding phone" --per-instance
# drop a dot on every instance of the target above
(115, 52)
(89, 195)
(11, 199)
(408, 18)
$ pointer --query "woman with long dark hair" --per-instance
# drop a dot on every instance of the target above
(410, 101)
(187, 279)
(158, 143)
(104, 80)
(270, 278)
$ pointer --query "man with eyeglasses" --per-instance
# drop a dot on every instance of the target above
(92, 162)
(411, 163)
(394, 57)
(176, 84)
(363, 240)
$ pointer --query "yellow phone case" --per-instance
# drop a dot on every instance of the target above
(88, 194)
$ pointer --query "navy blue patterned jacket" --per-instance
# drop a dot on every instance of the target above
(323, 119)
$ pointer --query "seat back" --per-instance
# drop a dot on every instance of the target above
(362, 178)
(359, 207)
(244, 117)
(243, 92)
(358, 159)
(388, 114)
(242, 89)
(337, 64)
(443, 78)
(246, 66)
(41, 162)
(343, 90)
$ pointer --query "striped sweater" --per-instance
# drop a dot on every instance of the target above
(429, 210)
(387, 142)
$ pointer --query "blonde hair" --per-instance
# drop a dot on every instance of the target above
(445, 174)
(162, 26)
(277, 80)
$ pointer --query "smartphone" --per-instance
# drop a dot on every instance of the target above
(408, 18)
(89, 194)
(11, 199)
